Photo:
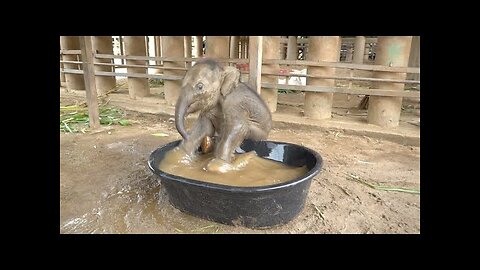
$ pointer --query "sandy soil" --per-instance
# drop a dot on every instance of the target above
(106, 186)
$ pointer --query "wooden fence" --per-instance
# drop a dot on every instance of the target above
(254, 63)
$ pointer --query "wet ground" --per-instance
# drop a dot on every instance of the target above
(106, 186)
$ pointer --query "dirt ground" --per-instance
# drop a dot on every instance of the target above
(106, 186)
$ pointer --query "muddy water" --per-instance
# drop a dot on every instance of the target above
(248, 169)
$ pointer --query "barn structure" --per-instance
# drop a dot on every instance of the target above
(383, 69)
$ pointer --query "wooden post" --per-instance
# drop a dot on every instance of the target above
(172, 47)
(349, 56)
(359, 49)
(158, 53)
(392, 51)
(324, 48)
(73, 81)
(147, 47)
(89, 76)
(135, 46)
(188, 50)
(255, 63)
(271, 50)
(122, 51)
(243, 47)
(103, 45)
(366, 54)
(62, 75)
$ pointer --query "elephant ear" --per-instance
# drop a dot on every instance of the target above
(231, 78)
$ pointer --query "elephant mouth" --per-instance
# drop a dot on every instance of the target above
(192, 107)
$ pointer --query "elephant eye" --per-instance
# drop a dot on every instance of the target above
(199, 86)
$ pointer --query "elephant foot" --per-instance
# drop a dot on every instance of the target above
(178, 155)
(221, 166)
(242, 160)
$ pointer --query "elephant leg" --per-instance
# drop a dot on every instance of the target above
(203, 127)
(258, 133)
(231, 138)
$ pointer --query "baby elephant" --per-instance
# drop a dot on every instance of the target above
(228, 108)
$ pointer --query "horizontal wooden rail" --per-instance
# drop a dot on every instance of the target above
(71, 62)
(140, 66)
(342, 65)
(132, 75)
(352, 91)
(70, 52)
(343, 78)
(168, 59)
(344, 40)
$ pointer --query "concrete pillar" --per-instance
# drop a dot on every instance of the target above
(391, 51)
(283, 48)
(271, 50)
(73, 81)
(218, 46)
(234, 47)
(292, 48)
(188, 50)
(173, 47)
(199, 46)
(414, 59)
(359, 49)
(321, 48)
(103, 45)
(135, 46)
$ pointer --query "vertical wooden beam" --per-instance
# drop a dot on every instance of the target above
(255, 62)
(188, 49)
(243, 47)
(89, 76)
(62, 75)
(122, 52)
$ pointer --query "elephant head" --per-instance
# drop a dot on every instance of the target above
(203, 87)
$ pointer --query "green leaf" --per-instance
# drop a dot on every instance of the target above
(124, 122)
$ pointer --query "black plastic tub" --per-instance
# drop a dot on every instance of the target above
(254, 207)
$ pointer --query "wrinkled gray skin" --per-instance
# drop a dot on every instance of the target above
(227, 107)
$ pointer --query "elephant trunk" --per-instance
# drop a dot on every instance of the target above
(180, 114)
